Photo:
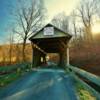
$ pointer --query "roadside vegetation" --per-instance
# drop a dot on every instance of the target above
(10, 73)
(83, 93)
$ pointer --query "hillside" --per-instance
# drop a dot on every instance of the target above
(15, 51)
(84, 56)
(87, 57)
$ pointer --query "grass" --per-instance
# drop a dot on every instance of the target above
(14, 67)
(83, 93)
(7, 68)
(12, 72)
(8, 78)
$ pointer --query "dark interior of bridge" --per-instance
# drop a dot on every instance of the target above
(41, 48)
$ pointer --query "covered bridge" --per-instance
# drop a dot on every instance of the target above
(50, 39)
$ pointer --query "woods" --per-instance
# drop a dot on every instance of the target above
(15, 55)
(28, 20)
(50, 49)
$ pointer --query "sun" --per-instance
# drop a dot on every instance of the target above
(96, 28)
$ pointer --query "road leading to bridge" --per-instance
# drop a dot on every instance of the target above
(41, 85)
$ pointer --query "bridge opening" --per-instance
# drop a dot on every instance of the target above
(50, 42)
(53, 57)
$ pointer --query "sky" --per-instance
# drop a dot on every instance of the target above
(56, 6)
(53, 8)
(5, 17)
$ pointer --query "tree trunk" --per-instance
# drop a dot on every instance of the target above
(17, 53)
(10, 54)
(23, 49)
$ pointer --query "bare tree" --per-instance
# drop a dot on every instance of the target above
(61, 21)
(29, 18)
(3, 55)
(74, 27)
(86, 11)
(18, 52)
(11, 40)
(9, 47)
(98, 7)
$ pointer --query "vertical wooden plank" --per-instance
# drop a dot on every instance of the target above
(32, 54)
(68, 60)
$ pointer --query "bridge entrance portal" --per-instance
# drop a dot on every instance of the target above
(50, 39)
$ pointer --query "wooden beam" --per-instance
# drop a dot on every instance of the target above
(68, 62)
(41, 50)
(64, 44)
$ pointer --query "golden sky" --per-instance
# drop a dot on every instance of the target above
(96, 28)
(57, 6)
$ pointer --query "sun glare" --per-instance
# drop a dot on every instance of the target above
(96, 28)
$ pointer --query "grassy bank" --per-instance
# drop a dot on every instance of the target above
(10, 73)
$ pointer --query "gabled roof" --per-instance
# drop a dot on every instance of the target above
(38, 36)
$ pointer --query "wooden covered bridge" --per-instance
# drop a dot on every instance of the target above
(52, 84)
(50, 39)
